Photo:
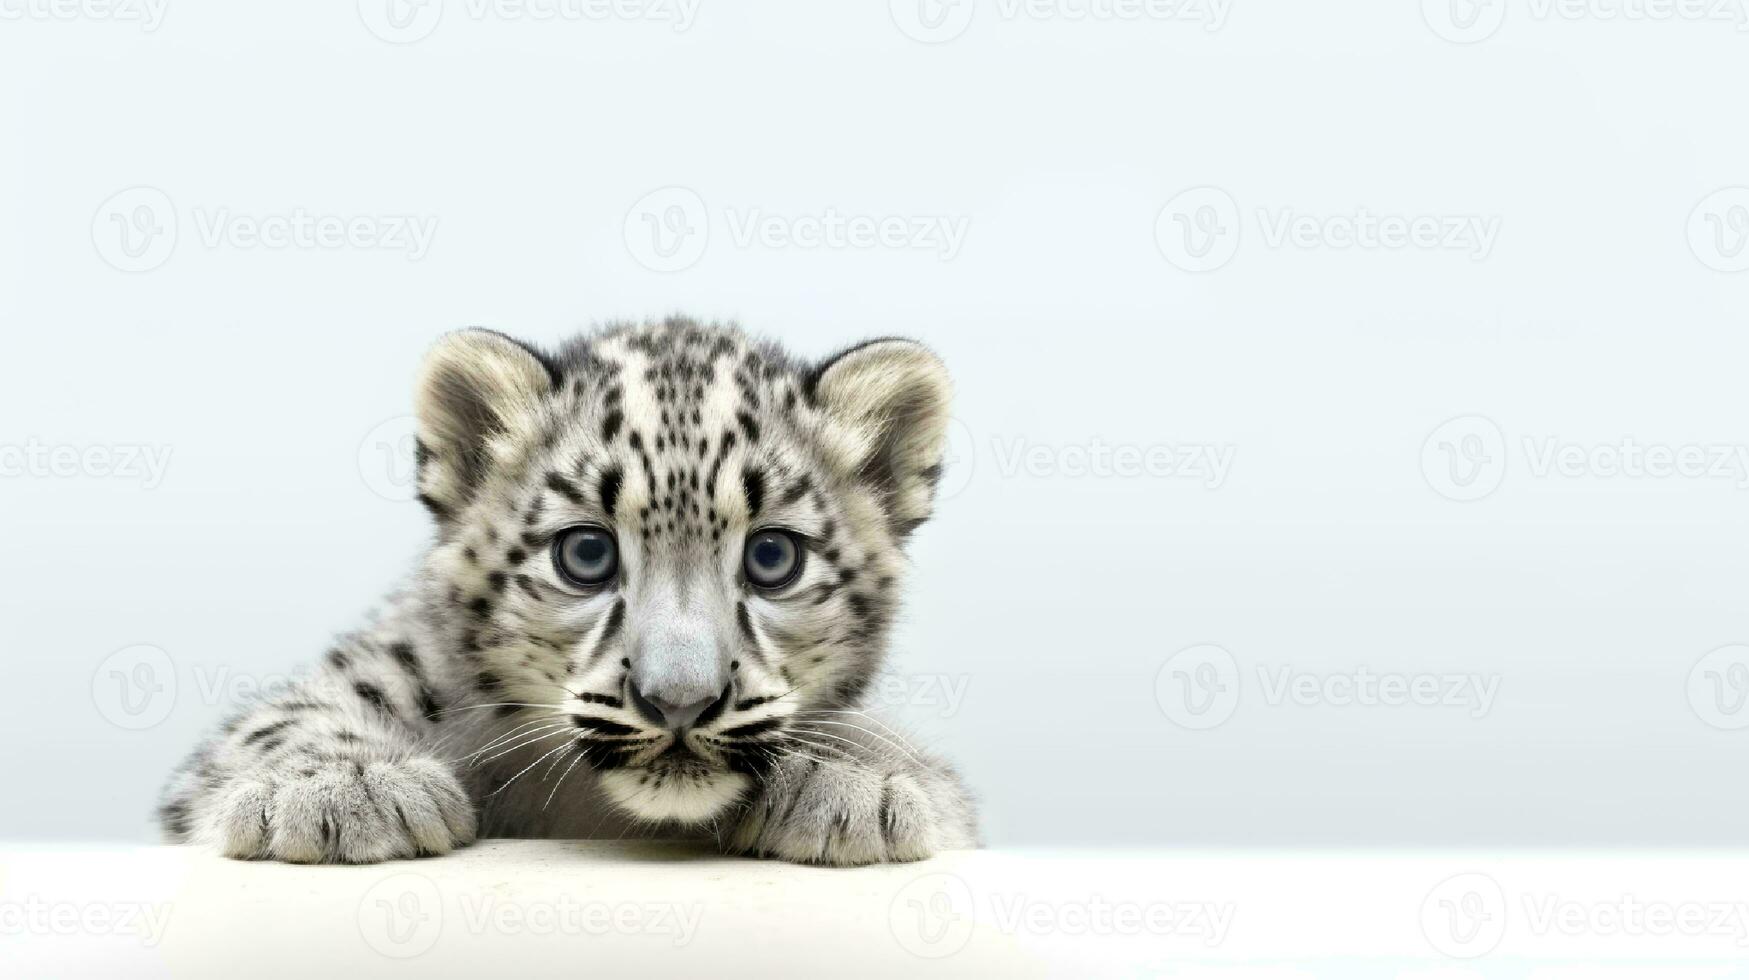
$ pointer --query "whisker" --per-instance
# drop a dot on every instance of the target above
(558, 730)
(497, 704)
(518, 731)
(823, 748)
(847, 741)
(578, 758)
(875, 735)
(524, 769)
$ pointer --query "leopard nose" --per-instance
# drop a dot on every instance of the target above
(667, 714)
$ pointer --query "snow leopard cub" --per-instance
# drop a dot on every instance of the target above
(666, 562)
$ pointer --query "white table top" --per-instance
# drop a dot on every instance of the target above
(594, 909)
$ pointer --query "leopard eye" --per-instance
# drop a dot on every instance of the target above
(773, 558)
(586, 555)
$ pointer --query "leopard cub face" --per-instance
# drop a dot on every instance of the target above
(662, 546)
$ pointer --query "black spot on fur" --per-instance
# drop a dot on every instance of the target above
(374, 696)
(753, 485)
(565, 488)
(602, 726)
(608, 489)
(262, 733)
(745, 621)
(437, 510)
(615, 619)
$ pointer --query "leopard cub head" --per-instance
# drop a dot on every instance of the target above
(663, 548)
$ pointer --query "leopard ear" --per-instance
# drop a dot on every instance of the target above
(886, 403)
(478, 398)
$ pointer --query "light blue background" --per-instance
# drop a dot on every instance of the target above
(1051, 601)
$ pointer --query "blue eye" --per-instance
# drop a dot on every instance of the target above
(586, 555)
(773, 558)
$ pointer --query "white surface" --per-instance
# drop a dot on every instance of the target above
(611, 910)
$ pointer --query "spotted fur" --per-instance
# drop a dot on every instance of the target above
(493, 695)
